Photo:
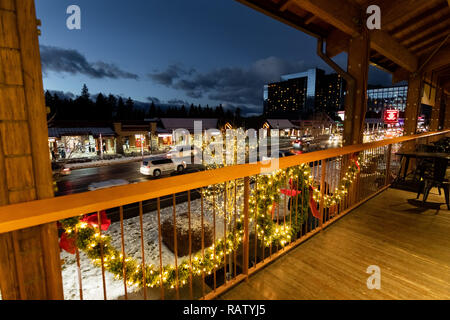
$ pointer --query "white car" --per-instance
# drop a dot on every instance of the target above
(155, 167)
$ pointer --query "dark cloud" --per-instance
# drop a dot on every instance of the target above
(71, 61)
(178, 102)
(173, 72)
(154, 100)
(234, 85)
(62, 95)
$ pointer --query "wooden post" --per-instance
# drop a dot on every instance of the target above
(358, 68)
(30, 266)
(388, 165)
(413, 103)
(322, 191)
(447, 112)
(437, 113)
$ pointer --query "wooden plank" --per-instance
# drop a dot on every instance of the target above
(409, 244)
(8, 39)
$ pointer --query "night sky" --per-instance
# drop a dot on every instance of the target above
(173, 51)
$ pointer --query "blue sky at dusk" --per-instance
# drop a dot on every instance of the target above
(173, 51)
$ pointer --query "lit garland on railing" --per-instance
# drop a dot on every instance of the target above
(95, 245)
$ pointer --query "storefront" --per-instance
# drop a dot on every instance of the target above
(70, 143)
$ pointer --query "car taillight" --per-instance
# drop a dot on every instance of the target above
(66, 169)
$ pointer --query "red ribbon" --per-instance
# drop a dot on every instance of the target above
(67, 243)
(93, 220)
(313, 203)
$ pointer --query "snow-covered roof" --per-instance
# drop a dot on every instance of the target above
(188, 123)
(88, 131)
(281, 124)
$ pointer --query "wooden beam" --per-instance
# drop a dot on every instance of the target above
(394, 12)
(439, 60)
(437, 34)
(310, 19)
(272, 10)
(436, 112)
(337, 42)
(383, 43)
(30, 266)
(424, 30)
(358, 68)
(341, 14)
(400, 74)
(285, 5)
(347, 17)
(413, 103)
(423, 16)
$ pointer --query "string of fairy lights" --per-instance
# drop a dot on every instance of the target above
(266, 193)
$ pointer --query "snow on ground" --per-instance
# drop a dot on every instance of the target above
(92, 276)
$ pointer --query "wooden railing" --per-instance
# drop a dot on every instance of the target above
(196, 235)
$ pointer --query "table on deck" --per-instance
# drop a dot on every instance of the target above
(418, 155)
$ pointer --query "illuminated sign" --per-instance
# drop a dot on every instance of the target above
(391, 116)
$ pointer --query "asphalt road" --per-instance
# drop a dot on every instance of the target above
(80, 179)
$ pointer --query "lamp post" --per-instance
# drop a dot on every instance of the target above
(101, 146)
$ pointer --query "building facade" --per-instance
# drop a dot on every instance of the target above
(301, 94)
(384, 98)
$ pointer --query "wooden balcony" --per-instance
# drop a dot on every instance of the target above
(408, 241)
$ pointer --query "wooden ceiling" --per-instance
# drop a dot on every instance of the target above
(414, 33)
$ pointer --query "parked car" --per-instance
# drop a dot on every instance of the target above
(307, 138)
(155, 167)
(297, 144)
(59, 169)
(183, 151)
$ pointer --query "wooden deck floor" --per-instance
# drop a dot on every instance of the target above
(410, 244)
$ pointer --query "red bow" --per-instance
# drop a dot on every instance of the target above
(67, 243)
(313, 203)
(93, 220)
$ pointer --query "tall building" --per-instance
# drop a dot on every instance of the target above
(301, 94)
(382, 98)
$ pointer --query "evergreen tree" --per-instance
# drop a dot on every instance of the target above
(120, 109)
(101, 108)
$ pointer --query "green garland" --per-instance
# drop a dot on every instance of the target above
(266, 193)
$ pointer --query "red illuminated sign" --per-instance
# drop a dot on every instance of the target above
(391, 116)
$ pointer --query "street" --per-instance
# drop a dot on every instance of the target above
(80, 179)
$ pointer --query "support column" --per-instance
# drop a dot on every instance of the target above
(356, 101)
(436, 113)
(446, 108)
(30, 266)
(413, 103)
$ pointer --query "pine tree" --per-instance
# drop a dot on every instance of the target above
(120, 109)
